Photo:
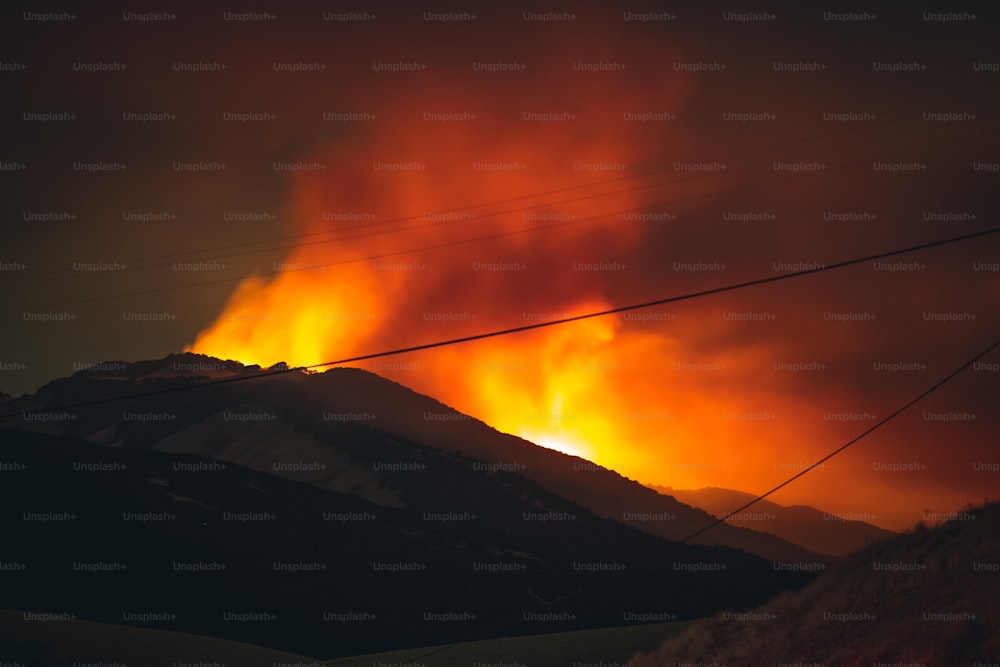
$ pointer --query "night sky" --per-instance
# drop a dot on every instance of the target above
(308, 184)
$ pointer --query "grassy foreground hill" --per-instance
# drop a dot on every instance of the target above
(64, 643)
(601, 647)
(930, 596)
(78, 642)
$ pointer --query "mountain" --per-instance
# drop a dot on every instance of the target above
(189, 544)
(121, 533)
(925, 597)
(814, 529)
(273, 423)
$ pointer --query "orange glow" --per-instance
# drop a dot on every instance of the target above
(547, 388)
(265, 322)
(357, 287)
(396, 257)
(604, 389)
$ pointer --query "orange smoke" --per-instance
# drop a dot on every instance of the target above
(429, 223)
(476, 202)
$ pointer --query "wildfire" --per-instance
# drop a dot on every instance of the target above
(476, 204)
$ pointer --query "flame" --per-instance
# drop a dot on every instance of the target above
(460, 207)
(545, 391)
(392, 237)
(299, 317)
(405, 240)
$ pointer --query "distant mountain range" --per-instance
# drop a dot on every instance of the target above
(816, 530)
(337, 513)
(924, 597)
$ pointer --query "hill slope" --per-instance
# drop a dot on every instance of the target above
(78, 642)
(924, 597)
(185, 543)
(313, 418)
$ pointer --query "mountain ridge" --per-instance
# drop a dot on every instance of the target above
(332, 403)
(816, 530)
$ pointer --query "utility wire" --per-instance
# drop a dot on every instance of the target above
(892, 415)
(693, 295)
(613, 575)
(519, 329)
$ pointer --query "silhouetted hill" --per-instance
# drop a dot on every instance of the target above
(814, 529)
(925, 597)
(315, 417)
(187, 543)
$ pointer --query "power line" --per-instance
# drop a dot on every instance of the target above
(519, 329)
(617, 310)
(660, 302)
(613, 575)
(892, 415)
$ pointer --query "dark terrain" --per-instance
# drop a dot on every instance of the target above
(488, 547)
